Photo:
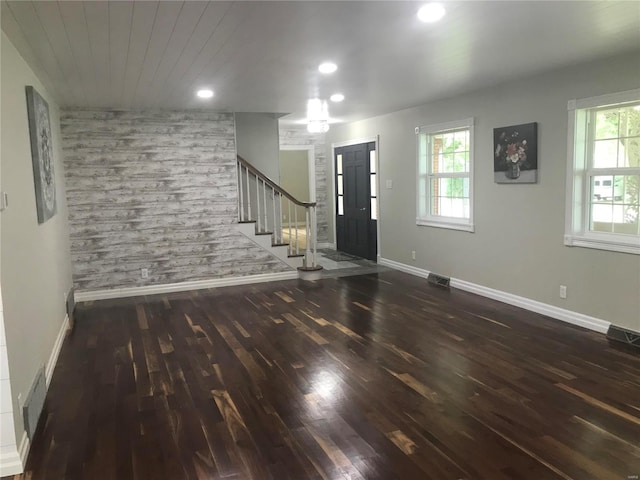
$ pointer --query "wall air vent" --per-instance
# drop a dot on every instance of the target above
(438, 280)
(71, 307)
(623, 335)
(34, 403)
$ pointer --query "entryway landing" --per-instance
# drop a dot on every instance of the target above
(340, 264)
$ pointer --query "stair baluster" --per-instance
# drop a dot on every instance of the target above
(295, 222)
(249, 187)
(261, 226)
(264, 197)
(275, 219)
(289, 223)
(240, 195)
(248, 197)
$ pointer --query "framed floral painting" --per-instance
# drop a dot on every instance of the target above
(515, 154)
(41, 155)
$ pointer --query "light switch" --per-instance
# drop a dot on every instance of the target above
(4, 201)
(389, 184)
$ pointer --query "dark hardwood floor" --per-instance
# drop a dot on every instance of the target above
(377, 376)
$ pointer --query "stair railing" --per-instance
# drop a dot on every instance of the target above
(275, 212)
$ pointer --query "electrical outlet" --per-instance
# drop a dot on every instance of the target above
(144, 273)
(389, 184)
(563, 291)
(413, 254)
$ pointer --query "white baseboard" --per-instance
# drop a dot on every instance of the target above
(11, 463)
(418, 272)
(23, 449)
(90, 295)
(57, 346)
(568, 316)
(331, 246)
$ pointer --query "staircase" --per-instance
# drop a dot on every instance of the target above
(277, 221)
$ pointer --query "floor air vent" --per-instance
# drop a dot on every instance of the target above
(438, 280)
(623, 335)
(34, 403)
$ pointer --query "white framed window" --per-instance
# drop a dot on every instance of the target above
(603, 176)
(445, 175)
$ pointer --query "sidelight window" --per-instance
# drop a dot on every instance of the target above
(374, 185)
(340, 180)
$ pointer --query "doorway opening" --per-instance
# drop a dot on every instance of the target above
(297, 177)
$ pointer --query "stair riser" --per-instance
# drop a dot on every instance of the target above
(264, 241)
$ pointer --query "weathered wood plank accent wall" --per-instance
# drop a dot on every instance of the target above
(154, 190)
(300, 137)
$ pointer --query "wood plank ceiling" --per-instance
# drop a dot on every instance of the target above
(263, 56)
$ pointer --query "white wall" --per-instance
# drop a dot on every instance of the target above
(35, 260)
(257, 141)
(518, 245)
(10, 462)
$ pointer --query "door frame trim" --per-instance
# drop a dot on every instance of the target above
(311, 162)
(348, 143)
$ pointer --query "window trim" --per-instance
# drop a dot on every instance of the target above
(577, 233)
(428, 220)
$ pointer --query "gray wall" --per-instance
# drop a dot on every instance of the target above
(257, 141)
(518, 243)
(154, 190)
(36, 266)
(290, 136)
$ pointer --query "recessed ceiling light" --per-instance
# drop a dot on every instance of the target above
(336, 97)
(205, 93)
(327, 67)
(431, 12)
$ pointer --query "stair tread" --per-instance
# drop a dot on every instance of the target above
(296, 255)
(279, 244)
(264, 233)
(247, 221)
